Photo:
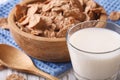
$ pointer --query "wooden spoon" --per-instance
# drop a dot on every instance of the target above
(16, 59)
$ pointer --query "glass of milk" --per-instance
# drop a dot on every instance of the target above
(3, 1)
(94, 51)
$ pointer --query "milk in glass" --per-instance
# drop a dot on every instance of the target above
(95, 53)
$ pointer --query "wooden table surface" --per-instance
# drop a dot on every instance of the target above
(6, 72)
(65, 76)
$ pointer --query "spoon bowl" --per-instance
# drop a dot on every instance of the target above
(16, 59)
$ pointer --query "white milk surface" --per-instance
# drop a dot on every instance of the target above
(95, 66)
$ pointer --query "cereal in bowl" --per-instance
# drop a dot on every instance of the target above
(52, 18)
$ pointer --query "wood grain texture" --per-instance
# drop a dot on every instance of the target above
(65, 76)
(20, 61)
(3, 74)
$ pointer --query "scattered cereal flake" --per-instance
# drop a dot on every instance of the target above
(114, 16)
(81, 17)
(2, 67)
(65, 7)
(73, 12)
(60, 3)
(48, 21)
(59, 21)
(15, 77)
(4, 23)
(48, 6)
(52, 35)
(91, 3)
(25, 29)
(37, 32)
(49, 34)
(103, 17)
(77, 4)
(87, 9)
(57, 9)
(68, 22)
(92, 15)
(87, 17)
(85, 1)
(32, 9)
(21, 10)
(23, 21)
(61, 33)
(53, 26)
(34, 20)
(82, 2)
(98, 10)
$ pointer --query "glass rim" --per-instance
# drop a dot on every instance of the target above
(90, 52)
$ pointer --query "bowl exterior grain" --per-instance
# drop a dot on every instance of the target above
(43, 50)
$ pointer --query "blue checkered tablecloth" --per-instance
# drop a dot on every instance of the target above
(51, 68)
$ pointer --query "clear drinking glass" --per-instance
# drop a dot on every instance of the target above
(3, 1)
(93, 65)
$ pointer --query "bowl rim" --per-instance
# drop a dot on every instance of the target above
(11, 22)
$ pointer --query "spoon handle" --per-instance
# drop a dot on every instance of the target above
(38, 72)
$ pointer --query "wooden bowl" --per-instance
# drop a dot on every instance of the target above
(46, 49)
